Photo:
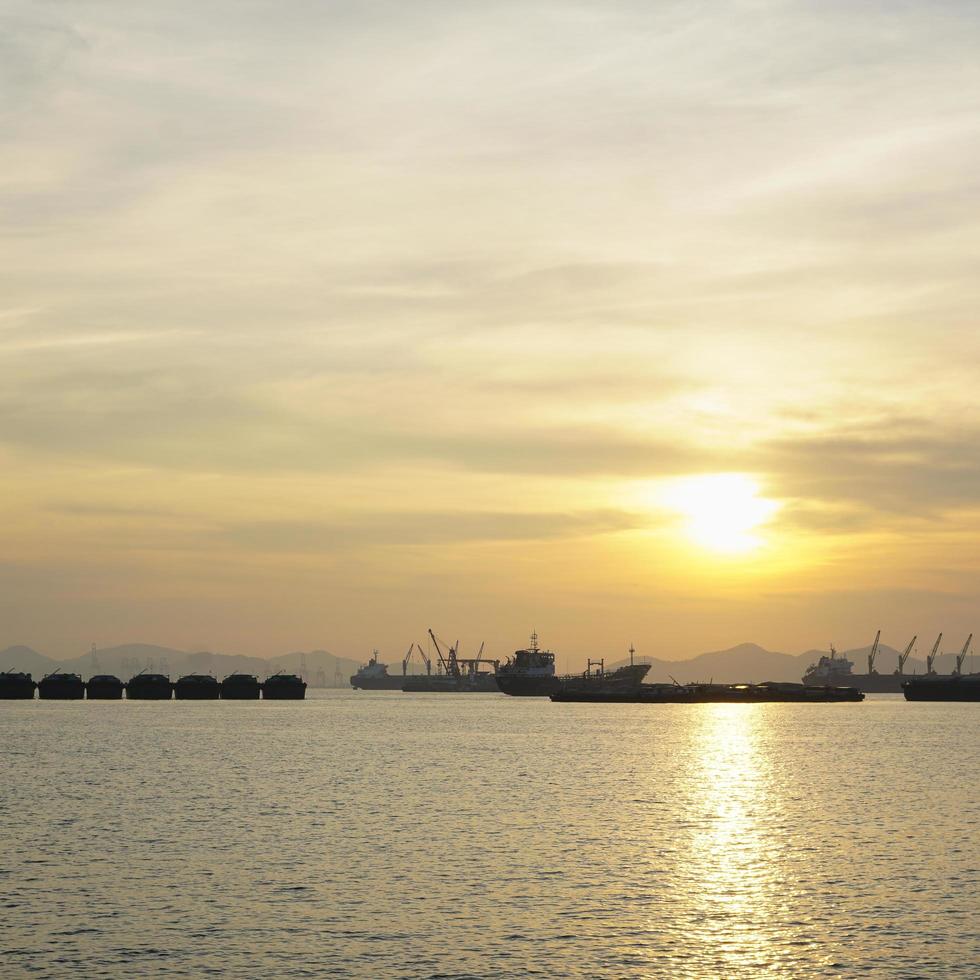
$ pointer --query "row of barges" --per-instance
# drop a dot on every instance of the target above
(61, 686)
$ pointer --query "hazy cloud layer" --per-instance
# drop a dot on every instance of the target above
(283, 279)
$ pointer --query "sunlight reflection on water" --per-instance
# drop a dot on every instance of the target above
(395, 835)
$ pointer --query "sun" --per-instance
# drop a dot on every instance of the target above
(722, 510)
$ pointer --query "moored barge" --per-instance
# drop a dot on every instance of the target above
(15, 685)
(769, 691)
(149, 687)
(104, 687)
(240, 687)
(284, 687)
(61, 686)
(196, 687)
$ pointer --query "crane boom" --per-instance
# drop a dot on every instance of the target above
(931, 659)
(874, 653)
(902, 657)
(961, 656)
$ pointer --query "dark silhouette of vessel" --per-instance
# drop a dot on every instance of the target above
(935, 687)
(374, 676)
(104, 687)
(712, 693)
(16, 686)
(61, 686)
(455, 674)
(240, 687)
(149, 687)
(837, 671)
(196, 687)
(284, 687)
(530, 673)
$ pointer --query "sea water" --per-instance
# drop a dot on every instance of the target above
(383, 834)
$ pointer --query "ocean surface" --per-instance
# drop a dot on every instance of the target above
(391, 835)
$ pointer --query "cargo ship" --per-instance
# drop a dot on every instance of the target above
(455, 674)
(16, 686)
(769, 691)
(836, 670)
(374, 676)
(530, 673)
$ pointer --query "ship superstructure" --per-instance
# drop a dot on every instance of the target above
(530, 673)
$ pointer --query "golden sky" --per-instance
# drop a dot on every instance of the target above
(323, 323)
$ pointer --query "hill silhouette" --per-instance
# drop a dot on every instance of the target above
(321, 668)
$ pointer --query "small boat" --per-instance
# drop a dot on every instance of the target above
(104, 687)
(196, 687)
(149, 687)
(61, 686)
(240, 687)
(284, 687)
(16, 686)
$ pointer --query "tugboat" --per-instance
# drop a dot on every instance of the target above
(149, 687)
(104, 687)
(529, 673)
(240, 687)
(374, 676)
(284, 687)
(61, 686)
(16, 686)
(196, 687)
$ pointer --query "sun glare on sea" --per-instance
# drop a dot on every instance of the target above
(723, 511)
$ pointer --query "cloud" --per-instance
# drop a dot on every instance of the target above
(413, 528)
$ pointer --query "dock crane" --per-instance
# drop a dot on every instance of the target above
(448, 661)
(961, 656)
(873, 654)
(425, 658)
(931, 659)
(902, 657)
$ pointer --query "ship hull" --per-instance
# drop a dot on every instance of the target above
(376, 683)
(714, 694)
(528, 687)
(440, 684)
(943, 688)
(869, 683)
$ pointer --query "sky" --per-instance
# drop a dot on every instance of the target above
(325, 323)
